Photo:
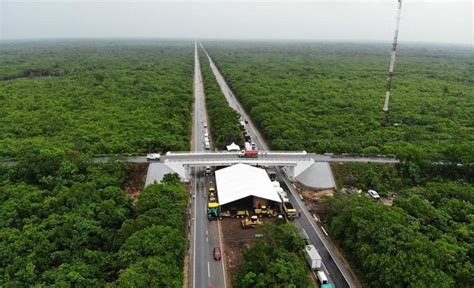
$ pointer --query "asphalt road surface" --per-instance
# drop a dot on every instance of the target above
(336, 271)
(204, 270)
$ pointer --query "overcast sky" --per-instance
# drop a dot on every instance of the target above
(448, 21)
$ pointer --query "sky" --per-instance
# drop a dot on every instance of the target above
(448, 21)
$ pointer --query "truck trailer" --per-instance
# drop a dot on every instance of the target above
(312, 257)
(248, 154)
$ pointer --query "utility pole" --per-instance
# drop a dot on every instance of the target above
(392, 64)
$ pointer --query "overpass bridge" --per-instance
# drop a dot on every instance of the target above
(294, 162)
(290, 160)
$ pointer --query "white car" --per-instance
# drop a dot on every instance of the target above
(373, 194)
(153, 156)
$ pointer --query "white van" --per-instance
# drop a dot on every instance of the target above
(322, 278)
(207, 146)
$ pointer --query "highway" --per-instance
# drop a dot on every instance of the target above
(338, 271)
(204, 271)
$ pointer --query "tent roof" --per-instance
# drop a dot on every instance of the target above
(240, 181)
(233, 147)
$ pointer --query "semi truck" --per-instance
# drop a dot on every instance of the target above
(312, 257)
(248, 154)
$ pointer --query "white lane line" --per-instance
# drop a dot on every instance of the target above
(324, 230)
(222, 252)
(194, 233)
(195, 182)
(208, 270)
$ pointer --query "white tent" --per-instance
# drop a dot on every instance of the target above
(240, 181)
(233, 147)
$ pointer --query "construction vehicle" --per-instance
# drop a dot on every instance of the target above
(242, 214)
(289, 210)
(251, 222)
(212, 211)
(248, 154)
(264, 211)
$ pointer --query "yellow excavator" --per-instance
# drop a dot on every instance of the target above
(251, 222)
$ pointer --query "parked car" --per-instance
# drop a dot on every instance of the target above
(153, 156)
(373, 194)
(217, 253)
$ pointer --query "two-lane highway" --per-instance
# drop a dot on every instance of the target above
(205, 235)
(337, 269)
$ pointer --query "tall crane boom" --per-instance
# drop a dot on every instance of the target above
(392, 63)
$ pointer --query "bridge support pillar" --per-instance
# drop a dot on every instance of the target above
(187, 173)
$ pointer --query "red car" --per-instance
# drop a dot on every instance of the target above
(217, 253)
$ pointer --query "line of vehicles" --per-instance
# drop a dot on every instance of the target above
(314, 261)
(250, 148)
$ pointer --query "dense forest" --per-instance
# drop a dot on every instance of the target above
(276, 260)
(424, 238)
(67, 222)
(96, 97)
(64, 219)
(224, 121)
(328, 97)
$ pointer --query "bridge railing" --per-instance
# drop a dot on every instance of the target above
(186, 153)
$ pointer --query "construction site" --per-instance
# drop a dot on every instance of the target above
(244, 197)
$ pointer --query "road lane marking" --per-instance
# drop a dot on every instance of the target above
(324, 230)
(195, 224)
(208, 270)
(195, 148)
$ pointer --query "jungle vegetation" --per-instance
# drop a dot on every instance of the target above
(424, 240)
(328, 97)
(66, 222)
(276, 260)
(95, 97)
